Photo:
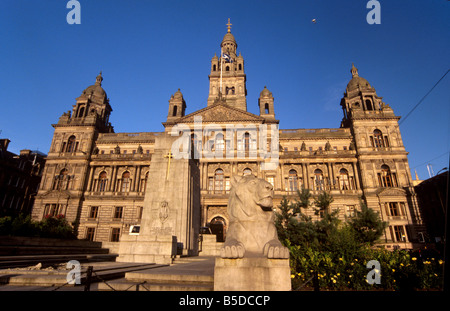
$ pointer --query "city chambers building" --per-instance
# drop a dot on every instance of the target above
(98, 178)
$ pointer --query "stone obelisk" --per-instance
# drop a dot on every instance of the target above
(171, 214)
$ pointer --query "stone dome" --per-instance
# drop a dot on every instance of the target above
(265, 92)
(178, 94)
(229, 38)
(357, 82)
(96, 89)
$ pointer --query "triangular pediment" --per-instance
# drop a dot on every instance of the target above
(221, 113)
(391, 192)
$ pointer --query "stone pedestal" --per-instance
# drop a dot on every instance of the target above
(158, 249)
(252, 274)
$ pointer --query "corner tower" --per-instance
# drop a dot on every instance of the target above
(227, 79)
(382, 159)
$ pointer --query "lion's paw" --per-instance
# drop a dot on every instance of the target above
(274, 250)
(232, 250)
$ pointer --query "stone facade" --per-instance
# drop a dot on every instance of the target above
(98, 178)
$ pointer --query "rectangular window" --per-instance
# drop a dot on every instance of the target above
(93, 213)
(227, 184)
(118, 211)
(270, 179)
(399, 234)
(393, 209)
(115, 234)
(350, 211)
(90, 233)
(211, 184)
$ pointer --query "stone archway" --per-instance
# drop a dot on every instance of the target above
(218, 227)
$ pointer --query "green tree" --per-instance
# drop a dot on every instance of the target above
(367, 225)
(323, 202)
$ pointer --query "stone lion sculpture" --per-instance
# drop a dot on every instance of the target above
(252, 231)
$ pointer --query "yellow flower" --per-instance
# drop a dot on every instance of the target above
(334, 281)
(414, 259)
(393, 270)
(292, 276)
(338, 274)
(441, 262)
(341, 259)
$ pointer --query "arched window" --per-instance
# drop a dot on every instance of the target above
(378, 141)
(344, 182)
(81, 112)
(369, 105)
(247, 142)
(318, 179)
(266, 108)
(102, 179)
(293, 180)
(174, 112)
(71, 144)
(126, 181)
(227, 68)
(144, 180)
(218, 181)
(194, 147)
(220, 142)
(214, 67)
(247, 172)
(386, 178)
(240, 66)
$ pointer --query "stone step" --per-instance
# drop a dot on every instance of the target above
(169, 278)
(58, 277)
(12, 250)
(186, 274)
(47, 260)
(126, 285)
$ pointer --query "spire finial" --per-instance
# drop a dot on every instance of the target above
(354, 71)
(229, 25)
(99, 79)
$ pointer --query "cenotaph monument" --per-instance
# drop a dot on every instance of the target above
(171, 214)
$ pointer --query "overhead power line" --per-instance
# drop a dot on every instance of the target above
(420, 101)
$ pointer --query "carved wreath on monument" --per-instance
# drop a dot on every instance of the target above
(163, 211)
(252, 232)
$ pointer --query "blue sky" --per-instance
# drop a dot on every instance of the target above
(149, 49)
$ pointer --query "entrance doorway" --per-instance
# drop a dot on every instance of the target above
(218, 227)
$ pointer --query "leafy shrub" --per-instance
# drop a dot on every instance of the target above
(334, 254)
(49, 227)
